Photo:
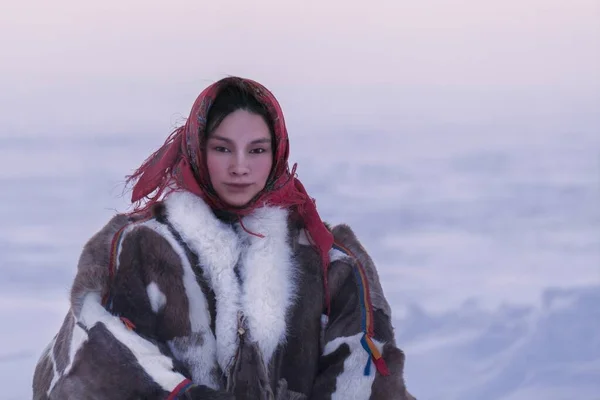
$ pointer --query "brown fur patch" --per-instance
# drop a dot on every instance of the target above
(209, 294)
(297, 361)
(344, 235)
(330, 367)
(114, 372)
(391, 387)
(92, 268)
(195, 339)
(283, 393)
(345, 316)
(249, 379)
(42, 376)
(148, 257)
(63, 343)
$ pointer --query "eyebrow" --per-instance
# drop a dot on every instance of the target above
(256, 141)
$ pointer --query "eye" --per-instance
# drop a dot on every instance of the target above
(257, 151)
(221, 149)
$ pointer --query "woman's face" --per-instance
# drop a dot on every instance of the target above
(239, 157)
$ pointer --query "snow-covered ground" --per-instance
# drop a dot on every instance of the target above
(486, 234)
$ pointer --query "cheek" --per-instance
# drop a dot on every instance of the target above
(214, 165)
(265, 167)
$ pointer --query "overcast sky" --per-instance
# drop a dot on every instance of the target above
(73, 67)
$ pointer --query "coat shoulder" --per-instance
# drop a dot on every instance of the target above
(345, 237)
(93, 267)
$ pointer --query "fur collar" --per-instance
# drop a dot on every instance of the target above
(265, 288)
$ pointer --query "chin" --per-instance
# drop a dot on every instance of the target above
(236, 201)
(237, 204)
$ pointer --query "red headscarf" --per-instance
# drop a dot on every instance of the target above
(179, 165)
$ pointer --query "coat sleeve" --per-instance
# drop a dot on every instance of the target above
(360, 358)
(98, 353)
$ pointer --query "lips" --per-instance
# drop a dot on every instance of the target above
(237, 187)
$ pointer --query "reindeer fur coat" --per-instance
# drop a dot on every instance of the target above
(198, 308)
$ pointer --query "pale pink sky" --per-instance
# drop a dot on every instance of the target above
(138, 60)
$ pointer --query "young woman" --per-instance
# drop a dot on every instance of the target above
(224, 283)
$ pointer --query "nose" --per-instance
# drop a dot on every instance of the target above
(239, 165)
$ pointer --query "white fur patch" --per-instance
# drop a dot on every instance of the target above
(149, 357)
(157, 298)
(218, 250)
(268, 277)
(199, 359)
(336, 255)
(352, 384)
(78, 339)
(324, 321)
(126, 230)
(55, 375)
(303, 238)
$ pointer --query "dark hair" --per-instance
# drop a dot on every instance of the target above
(233, 98)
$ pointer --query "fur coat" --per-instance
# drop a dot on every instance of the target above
(184, 305)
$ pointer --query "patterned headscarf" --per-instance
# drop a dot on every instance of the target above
(179, 165)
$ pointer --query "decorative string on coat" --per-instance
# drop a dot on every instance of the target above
(367, 321)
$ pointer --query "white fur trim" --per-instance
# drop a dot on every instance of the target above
(268, 277)
(218, 250)
(157, 298)
(265, 264)
(199, 359)
(148, 356)
(352, 384)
